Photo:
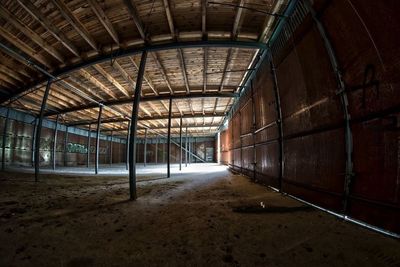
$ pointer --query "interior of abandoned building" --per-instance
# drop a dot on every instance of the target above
(199, 132)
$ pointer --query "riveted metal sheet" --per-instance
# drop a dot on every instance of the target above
(366, 42)
(267, 166)
(316, 163)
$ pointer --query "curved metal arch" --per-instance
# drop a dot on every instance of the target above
(122, 53)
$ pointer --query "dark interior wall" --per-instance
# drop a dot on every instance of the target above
(365, 39)
(200, 146)
(19, 143)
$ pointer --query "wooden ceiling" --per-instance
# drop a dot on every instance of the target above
(60, 35)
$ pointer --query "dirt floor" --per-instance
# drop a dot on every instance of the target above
(187, 220)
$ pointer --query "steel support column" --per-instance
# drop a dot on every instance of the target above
(186, 147)
(169, 139)
(3, 151)
(96, 161)
(111, 148)
(65, 145)
(279, 122)
(349, 173)
(194, 149)
(88, 146)
(180, 143)
(253, 129)
(33, 142)
(133, 129)
(156, 159)
(189, 151)
(39, 129)
(55, 142)
(145, 148)
(127, 145)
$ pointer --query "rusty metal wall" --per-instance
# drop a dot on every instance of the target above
(313, 125)
(18, 150)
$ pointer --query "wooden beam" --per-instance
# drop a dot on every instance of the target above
(12, 73)
(104, 20)
(24, 48)
(169, 18)
(228, 56)
(124, 74)
(145, 77)
(204, 19)
(134, 15)
(183, 68)
(78, 26)
(97, 83)
(111, 79)
(31, 34)
(9, 80)
(45, 22)
(162, 71)
(9, 62)
(237, 20)
(205, 64)
(89, 90)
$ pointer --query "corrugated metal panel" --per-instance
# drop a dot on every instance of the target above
(313, 125)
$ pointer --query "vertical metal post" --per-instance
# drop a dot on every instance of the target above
(349, 172)
(194, 149)
(133, 128)
(88, 146)
(39, 129)
(111, 148)
(96, 162)
(180, 144)
(186, 147)
(33, 143)
(169, 139)
(127, 145)
(189, 151)
(55, 142)
(163, 154)
(254, 122)
(65, 145)
(145, 148)
(156, 160)
(279, 123)
(3, 152)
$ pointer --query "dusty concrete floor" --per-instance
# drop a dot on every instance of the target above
(70, 220)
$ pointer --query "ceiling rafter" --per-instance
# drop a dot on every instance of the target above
(73, 20)
(145, 77)
(25, 48)
(104, 20)
(97, 83)
(111, 79)
(45, 22)
(135, 17)
(30, 34)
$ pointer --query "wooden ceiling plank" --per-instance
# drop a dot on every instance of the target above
(104, 20)
(183, 68)
(162, 72)
(12, 73)
(78, 26)
(45, 22)
(111, 79)
(30, 34)
(204, 19)
(169, 17)
(10, 64)
(135, 17)
(145, 77)
(97, 83)
(24, 48)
